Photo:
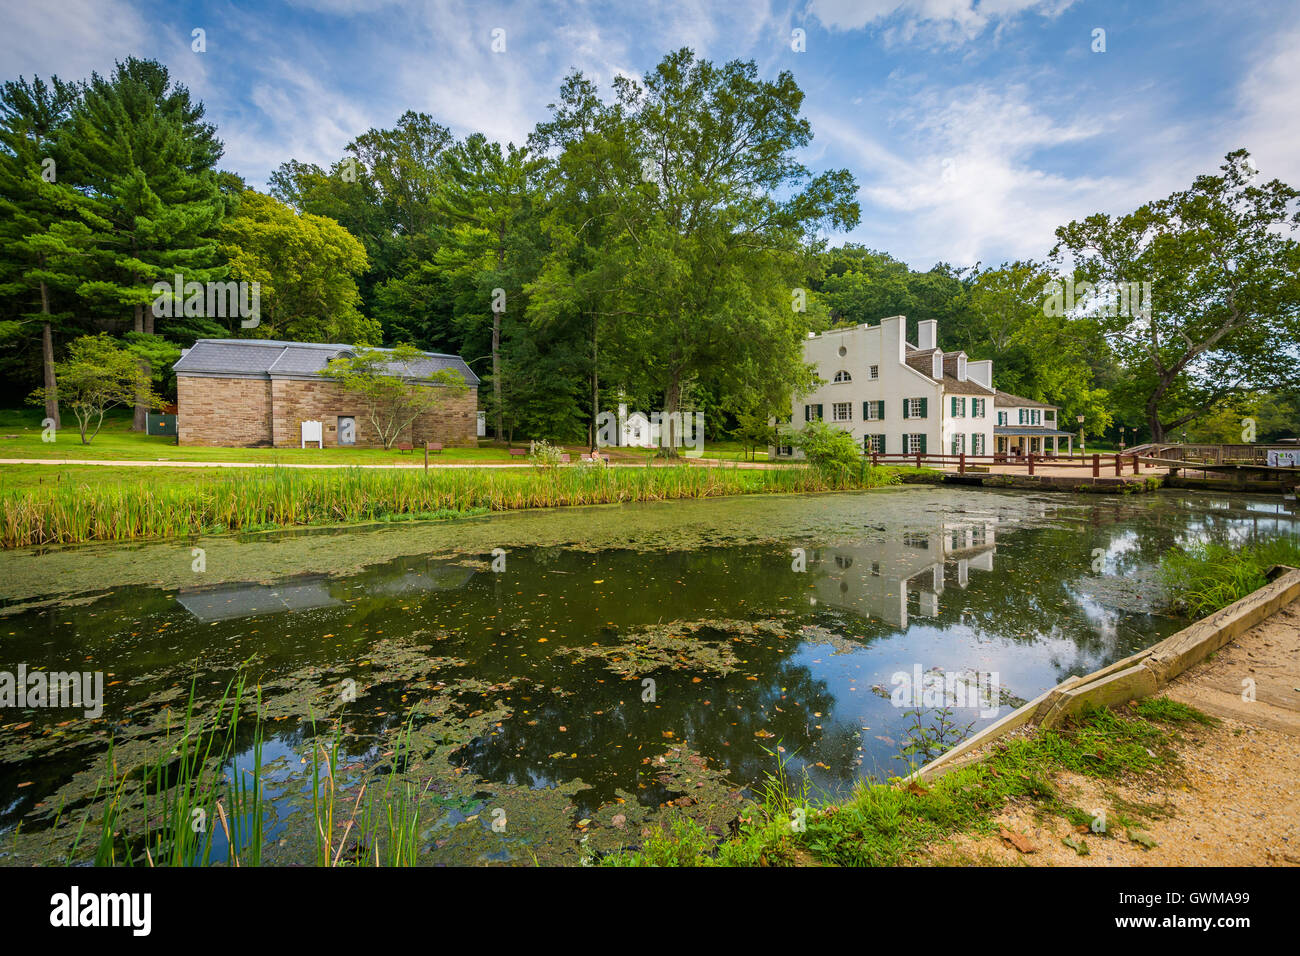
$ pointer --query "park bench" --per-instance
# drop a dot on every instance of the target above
(564, 459)
(434, 446)
(404, 446)
(518, 452)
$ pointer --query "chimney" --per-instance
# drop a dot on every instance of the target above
(961, 367)
(936, 369)
(927, 334)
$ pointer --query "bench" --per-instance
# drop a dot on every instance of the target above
(518, 452)
(564, 459)
(404, 446)
(433, 446)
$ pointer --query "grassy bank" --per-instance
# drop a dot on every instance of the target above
(890, 824)
(144, 508)
(1207, 577)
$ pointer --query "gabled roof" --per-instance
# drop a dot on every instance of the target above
(1007, 400)
(264, 358)
(922, 360)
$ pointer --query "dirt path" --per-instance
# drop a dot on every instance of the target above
(1234, 802)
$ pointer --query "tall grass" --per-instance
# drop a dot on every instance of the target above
(165, 810)
(285, 497)
(1207, 577)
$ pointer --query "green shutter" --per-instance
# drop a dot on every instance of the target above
(880, 409)
(925, 408)
(907, 408)
(954, 406)
(819, 412)
(882, 442)
(922, 437)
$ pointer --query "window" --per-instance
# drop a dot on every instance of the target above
(812, 413)
(873, 444)
(977, 407)
(977, 443)
(843, 562)
(958, 444)
(1002, 418)
(842, 412)
(1049, 417)
(914, 444)
(784, 451)
(873, 411)
(843, 376)
(958, 407)
(915, 408)
(874, 372)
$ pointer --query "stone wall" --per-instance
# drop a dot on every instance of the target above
(232, 412)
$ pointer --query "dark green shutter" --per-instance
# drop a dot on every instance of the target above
(922, 437)
(907, 408)
(925, 408)
(880, 409)
(865, 414)
(882, 443)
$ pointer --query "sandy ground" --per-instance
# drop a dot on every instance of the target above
(1235, 801)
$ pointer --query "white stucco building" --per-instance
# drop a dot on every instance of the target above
(895, 397)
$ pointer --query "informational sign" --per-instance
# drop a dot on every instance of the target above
(1283, 458)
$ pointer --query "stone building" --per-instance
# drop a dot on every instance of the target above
(251, 392)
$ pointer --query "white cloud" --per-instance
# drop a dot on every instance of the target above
(88, 35)
(1270, 121)
(960, 181)
(941, 21)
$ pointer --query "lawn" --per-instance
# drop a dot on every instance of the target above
(20, 437)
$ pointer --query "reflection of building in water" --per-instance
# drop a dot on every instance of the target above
(226, 602)
(879, 579)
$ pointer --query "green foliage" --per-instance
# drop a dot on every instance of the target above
(1205, 577)
(307, 267)
(826, 447)
(1225, 291)
(392, 393)
(544, 456)
(97, 376)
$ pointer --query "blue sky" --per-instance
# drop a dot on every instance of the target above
(973, 128)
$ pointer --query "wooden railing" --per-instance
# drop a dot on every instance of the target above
(1114, 462)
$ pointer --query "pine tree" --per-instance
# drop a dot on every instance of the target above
(42, 236)
(141, 153)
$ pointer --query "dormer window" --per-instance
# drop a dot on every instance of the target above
(843, 376)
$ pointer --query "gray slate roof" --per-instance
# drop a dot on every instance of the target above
(264, 358)
(1007, 400)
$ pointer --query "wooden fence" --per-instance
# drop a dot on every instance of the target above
(1110, 463)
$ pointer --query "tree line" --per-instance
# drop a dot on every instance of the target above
(658, 243)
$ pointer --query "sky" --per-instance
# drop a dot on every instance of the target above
(973, 128)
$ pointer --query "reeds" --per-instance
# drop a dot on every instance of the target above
(263, 499)
(1210, 576)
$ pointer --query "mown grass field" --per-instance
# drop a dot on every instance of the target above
(20, 437)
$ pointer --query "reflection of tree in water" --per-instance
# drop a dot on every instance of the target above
(616, 736)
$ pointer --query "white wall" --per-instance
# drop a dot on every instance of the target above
(883, 345)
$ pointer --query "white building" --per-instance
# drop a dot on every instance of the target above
(1027, 427)
(895, 397)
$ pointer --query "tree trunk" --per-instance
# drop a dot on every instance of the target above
(140, 423)
(672, 401)
(595, 385)
(496, 372)
(47, 360)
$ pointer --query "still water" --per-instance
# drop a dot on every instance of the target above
(578, 672)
